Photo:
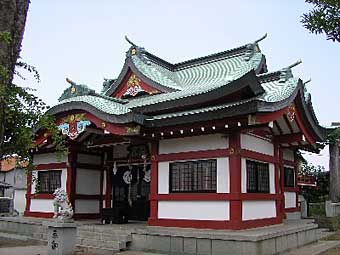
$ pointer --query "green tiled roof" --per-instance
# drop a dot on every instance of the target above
(276, 91)
(105, 105)
(193, 78)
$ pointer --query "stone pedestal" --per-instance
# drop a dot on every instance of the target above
(61, 237)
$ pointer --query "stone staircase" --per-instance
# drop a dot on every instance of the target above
(92, 239)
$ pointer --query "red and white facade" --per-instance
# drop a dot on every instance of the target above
(224, 158)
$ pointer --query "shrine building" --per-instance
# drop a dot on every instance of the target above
(210, 142)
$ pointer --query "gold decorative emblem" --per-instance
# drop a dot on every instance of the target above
(291, 112)
(133, 130)
(133, 81)
(73, 90)
(133, 51)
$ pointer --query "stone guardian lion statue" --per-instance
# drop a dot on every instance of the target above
(62, 207)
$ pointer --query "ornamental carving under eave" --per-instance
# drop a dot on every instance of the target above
(73, 125)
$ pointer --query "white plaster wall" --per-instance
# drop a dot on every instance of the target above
(41, 205)
(290, 199)
(223, 176)
(86, 206)
(63, 179)
(194, 210)
(20, 200)
(104, 182)
(244, 176)
(259, 209)
(48, 158)
(163, 178)
(288, 154)
(89, 159)
(271, 178)
(195, 143)
(257, 144)
(88, 182)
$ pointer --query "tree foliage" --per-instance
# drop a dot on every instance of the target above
(320, 193)
(20, 110)
(323, 18)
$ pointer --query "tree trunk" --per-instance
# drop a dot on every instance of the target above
(334, 172)
(13, 15)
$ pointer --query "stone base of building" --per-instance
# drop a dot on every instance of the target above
(138, 236)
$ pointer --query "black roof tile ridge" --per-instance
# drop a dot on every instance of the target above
(270, 76)
(114, 99)
(196, 61)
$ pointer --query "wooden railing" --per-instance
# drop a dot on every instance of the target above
(306, 180)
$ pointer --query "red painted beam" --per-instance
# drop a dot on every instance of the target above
(51, 166)
(289, 138)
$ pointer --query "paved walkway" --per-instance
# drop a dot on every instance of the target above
(315, 248)
(24, 250)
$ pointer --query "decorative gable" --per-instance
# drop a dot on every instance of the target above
(133, 86)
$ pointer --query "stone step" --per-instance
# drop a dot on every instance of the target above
(92, 250)
(114, 245)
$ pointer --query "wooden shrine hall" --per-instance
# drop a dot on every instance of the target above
(210, 142)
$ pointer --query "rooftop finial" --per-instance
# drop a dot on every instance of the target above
(308, 81)
(128, 40)
(262, 38)
(70, 81)
(295, 64)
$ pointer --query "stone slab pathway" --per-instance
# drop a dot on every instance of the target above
(315, 248)
(24, 250)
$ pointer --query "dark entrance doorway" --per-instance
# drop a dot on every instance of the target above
(130, 190)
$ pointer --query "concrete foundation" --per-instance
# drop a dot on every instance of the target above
(274, 239)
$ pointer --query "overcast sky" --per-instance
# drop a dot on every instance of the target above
(84, 40)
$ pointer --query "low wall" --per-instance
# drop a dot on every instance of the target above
(332, 209)
(268, 240)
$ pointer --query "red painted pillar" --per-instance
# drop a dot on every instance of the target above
(278, 189)
(71, 176)
(28, 192)
(296, 165)
(154, 183)
(108, 188)
(235, 179)
(282, 183)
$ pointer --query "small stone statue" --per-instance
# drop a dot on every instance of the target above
(61, 201)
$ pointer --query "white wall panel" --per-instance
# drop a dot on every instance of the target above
(271, 178)
(223, 175)
(47, 158)
(20, 200)
(257, 144)
(243, 175)
(163, 178)
(89, 159)
(194, 210)
(288, 154)
(259, 209)
(86, 206)
(290, 199)
(195, 143)
(42, 205)
(88, 182)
